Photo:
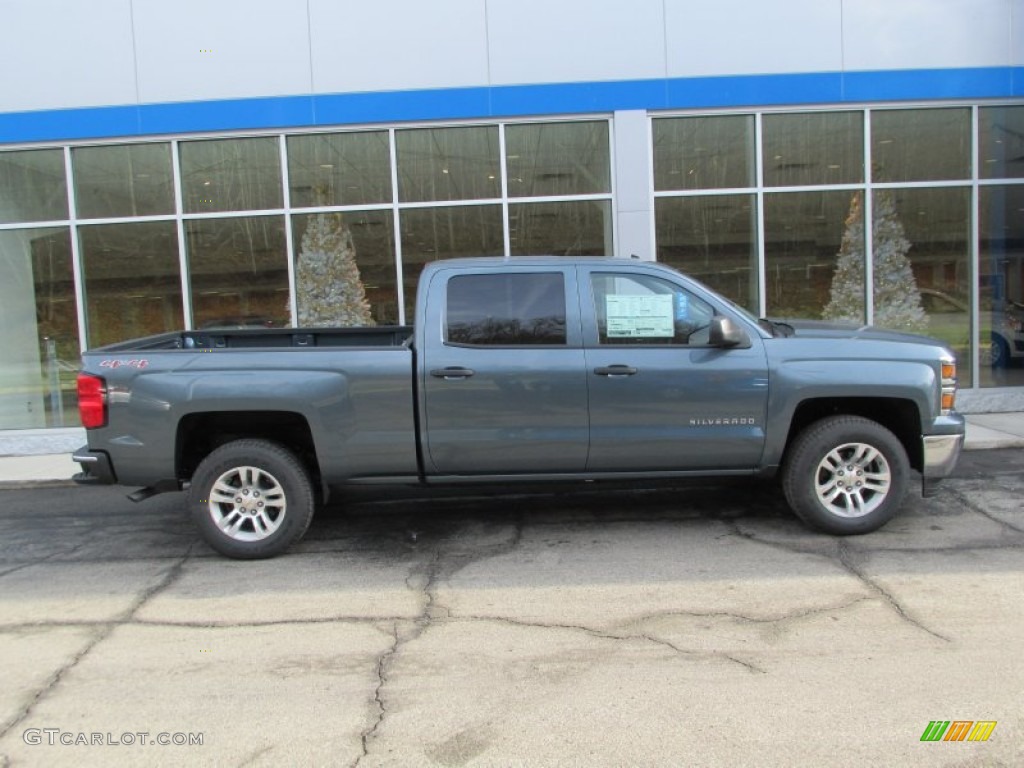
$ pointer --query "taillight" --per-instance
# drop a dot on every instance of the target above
(92, 400)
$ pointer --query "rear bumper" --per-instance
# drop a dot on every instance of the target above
(96, 467)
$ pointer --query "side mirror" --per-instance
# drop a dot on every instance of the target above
(724, 332)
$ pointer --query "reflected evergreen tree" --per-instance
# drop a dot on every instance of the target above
(897, 300)
(329, 288)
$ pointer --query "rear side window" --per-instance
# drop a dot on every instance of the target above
(506, 309)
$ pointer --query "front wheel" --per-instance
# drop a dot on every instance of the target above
(251, 499)
(846, 475)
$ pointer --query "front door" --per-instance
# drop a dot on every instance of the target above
(661, 398)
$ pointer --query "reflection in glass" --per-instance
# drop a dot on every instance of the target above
(814, 255)
(506, 309)
(238, 271)
(813, 148)
(339, 169)
(920, 264)
(448, 163)
(920, 144)
(548, 159)
(33, 186)
(231, 174)
(451, 232)
(1001, 142)
(132, 280)
(711, 238)
(704, 152)
(123, 180)
(343, 259)
(40, 326)
(1001, 286)
(582, 228)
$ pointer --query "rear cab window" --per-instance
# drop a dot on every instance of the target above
(506, 309)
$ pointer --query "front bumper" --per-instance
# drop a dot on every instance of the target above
(96, 467)
(940, 454)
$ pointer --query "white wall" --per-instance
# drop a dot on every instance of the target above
(68, 53)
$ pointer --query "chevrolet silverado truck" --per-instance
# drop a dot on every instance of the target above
(521, 370)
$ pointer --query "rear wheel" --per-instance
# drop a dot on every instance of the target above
(846, 475)
(251, 499)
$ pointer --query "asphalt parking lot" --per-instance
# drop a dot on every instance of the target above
(690, 624)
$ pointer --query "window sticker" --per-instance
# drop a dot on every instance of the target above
(640, 316)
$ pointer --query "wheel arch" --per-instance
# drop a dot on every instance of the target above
(200, 433)
(900, 416)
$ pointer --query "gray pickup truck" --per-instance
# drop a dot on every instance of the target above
(521, 370)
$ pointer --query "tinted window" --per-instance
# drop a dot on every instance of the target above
(637, 309)
(506, 309)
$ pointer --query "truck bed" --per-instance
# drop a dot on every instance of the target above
(216, 338)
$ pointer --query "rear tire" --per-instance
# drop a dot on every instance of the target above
(251, 499)
(846, 475)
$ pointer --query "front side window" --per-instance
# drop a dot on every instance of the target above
(506, 309)
(639, 309)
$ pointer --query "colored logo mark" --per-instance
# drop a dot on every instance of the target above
(958, 730)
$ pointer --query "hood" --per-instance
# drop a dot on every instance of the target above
(820, 329)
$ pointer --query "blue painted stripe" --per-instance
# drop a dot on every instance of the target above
(509, 101)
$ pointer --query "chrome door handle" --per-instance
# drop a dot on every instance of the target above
(452, 373)
(615, 370)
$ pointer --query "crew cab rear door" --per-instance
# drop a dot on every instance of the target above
(503, 377)
(661, 397)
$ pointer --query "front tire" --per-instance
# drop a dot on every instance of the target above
(251, 499)
(846, 475)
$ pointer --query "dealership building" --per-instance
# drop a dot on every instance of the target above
(167, 166)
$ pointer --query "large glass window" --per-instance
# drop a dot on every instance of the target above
(238, 269)
(126, 180)
(231, 174)
(920, 265)
(448, 163)
(813, 148)
(132, 280)
(920, 144)
(551, 159)
(39, 321)
(506, 309)
(451, 232)
(814, 255)
(704, 152)
(1001, 142)
(339, 169)
(345, 269)
(1001, 285)
(33, 186)
(572, 228)
(712, 238)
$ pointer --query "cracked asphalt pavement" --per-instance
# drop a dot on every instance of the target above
(685, 624)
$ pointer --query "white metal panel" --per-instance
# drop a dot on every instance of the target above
(540, 41)
(194, 50)
(57, 54)
(918, 34)
(397, 45)
(1017, 35)
(730, 37)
